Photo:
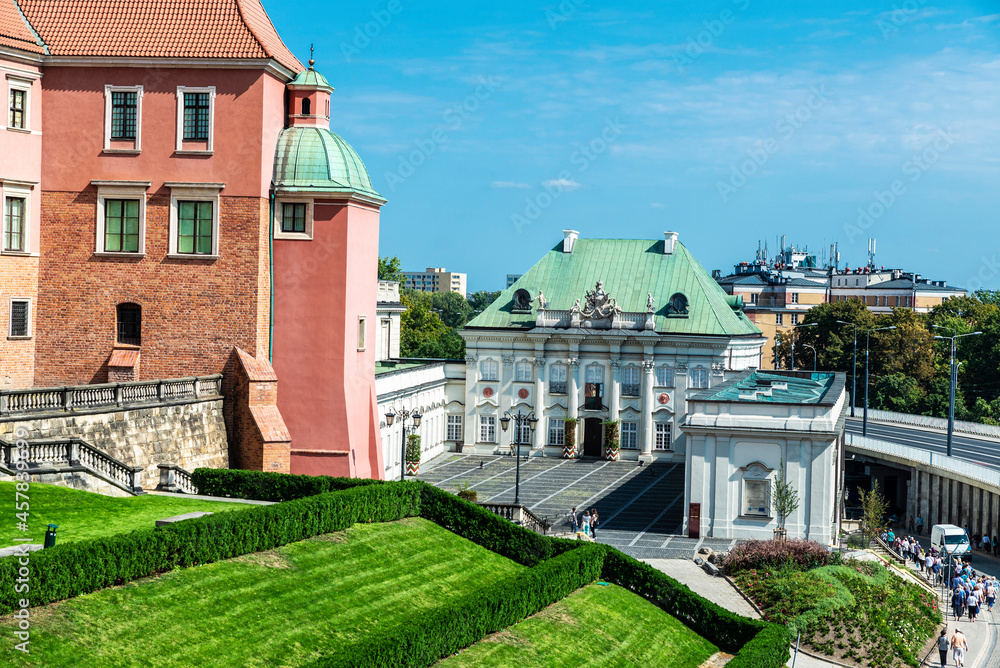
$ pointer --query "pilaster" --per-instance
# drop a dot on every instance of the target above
(648, 381)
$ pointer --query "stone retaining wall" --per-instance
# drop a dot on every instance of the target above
(188, 434)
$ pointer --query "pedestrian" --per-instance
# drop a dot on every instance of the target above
(920, 525)
(957, 599)
(928, 565)
(909, 522)
(593, 523)
(973, 604)
(991, 594)
(892, 537)
(959, 646)
(942, 645)
(586, 523)
(573, 523)
(986, 543)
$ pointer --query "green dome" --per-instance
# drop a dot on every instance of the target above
(315, 160)
(310, 79)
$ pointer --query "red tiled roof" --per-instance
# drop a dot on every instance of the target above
(257, 370)
(158, 29)
(124, 358)
(270, 424)
(14, 32)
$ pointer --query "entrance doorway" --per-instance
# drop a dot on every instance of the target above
(592, 437)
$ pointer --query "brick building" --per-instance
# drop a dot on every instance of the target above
(171, 164)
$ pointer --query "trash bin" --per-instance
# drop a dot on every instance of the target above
(50, 536)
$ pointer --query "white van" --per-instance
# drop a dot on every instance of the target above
(952, 539)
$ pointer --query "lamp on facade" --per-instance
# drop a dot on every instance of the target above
(403, 416)
(520, 419)
(953, 378)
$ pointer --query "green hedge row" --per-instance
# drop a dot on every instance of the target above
(268, 486)
(437, 634)
(756, 643)
(473, 522)
(72, 569)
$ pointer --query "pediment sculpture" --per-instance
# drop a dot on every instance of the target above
(599, 304)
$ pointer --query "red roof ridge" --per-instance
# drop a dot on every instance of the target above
(15, 31)
(256, 18)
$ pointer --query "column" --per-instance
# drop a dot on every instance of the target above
(505, 397)
(923, 499)
(648, 381)
(934, 516)
(976, 495)
(574, 399)
(995, 529)
(542, 429)
(471, 423)
(911, 496)
(966, 505)
(616, 388)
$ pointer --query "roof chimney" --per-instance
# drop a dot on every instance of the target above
(569, 238)
(669, 242)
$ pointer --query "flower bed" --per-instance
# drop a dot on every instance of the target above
(858, 612)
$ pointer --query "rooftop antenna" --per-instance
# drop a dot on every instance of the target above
(311, 61)
(871, 253)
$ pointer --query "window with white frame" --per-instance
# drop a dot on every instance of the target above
(557, 431)
(795, 318)
(16, 207)
(662, 441)
(630, 381)
(557, 379)
(593, 396)
(754, 297)
(779, 319)
(454, 428)
(664, 376)
(522, 372)
(522, 433)
(629, 436)
(121, 217)
(293, 218)
(195, 120)
(489, 370)
(18, 103)
(487, 429)
(122, 119)
(19, 326)
(795, 298)
(194, 220)
(699, 377)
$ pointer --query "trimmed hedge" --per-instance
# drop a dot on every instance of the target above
(439, 633)
(72, 569)
(756, 643)
(473, 522)
(269, 486)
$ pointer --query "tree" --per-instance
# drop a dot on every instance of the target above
(900, 393)
(422, 333)
(785, 498)
(478, 301)
(389, 270)
(873, 509)
(452, 307)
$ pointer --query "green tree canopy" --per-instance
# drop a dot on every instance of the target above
(389, 270)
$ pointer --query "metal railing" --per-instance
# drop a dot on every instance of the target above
(68, 455)
(934, 422)
(944, 463)
(107, 395)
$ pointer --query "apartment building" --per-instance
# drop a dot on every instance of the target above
(436, 279)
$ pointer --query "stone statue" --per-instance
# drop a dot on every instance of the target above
(599, 305)
(576, 307)
(649, 302)
(541, 299)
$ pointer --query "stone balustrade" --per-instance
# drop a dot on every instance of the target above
(564, 319)
(86, 398)
(518, 514)
(70, 454)
(388, 292)
(175, 479)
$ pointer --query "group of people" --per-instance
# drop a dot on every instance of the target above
(587, 523)
(957, 643)
(969, 593)
(980, 542)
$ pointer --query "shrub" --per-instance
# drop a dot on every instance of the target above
(71, 569)
(413, 448)
(268, 486)
(762, 553)
(467, 494)
(432, 636)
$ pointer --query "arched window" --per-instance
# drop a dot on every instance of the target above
(306, 106)
(130, 324)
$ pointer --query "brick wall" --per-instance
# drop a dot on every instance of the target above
(19, 279)
(194, 312)
(259, 438)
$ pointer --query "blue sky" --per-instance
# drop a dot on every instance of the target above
(492, 127)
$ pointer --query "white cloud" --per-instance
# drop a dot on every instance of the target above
(508, 184)
(657, 205)
(569, 185)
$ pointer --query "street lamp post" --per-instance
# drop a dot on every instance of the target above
(403, 416)
(953, 379)
(794, 327)
(806, 345)
(854, 369)
(520, 419)
(868, 334)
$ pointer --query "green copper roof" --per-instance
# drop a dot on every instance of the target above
(310, 79)
(315, 160)
(760, 386)
(630, 269)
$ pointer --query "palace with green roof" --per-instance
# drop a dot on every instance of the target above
(604, 330)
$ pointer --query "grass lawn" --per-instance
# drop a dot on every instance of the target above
(594, 626)
(81, 515)
(278, 608)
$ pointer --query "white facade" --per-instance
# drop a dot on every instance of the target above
(639, 377)
(435, 391)
(388, 311)
(736, 447)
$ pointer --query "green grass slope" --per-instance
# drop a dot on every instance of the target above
(284, 607)
(600, 626)
(81, 515)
